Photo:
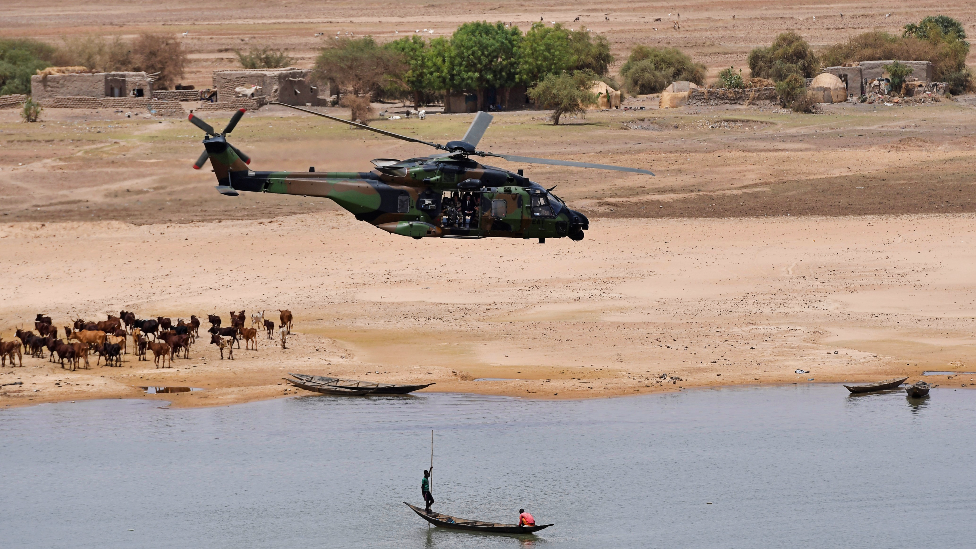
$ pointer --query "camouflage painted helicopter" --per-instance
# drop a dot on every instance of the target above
(443, 195)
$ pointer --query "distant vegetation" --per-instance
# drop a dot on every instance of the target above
(477, 57)
(940, 40)
(788, 55)
(31, 111)
(264, 58)
(152, 53)
(650, 70)
(19, 60)
(564, 93)
(792, 94)
(95, 53)
(730, 79)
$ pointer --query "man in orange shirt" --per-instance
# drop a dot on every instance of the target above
(525, 519)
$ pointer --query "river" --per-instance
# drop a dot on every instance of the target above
(795, 466)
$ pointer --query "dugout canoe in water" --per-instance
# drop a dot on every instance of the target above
(350, 387)
(919, 390)
(447, 521)
(874, 387)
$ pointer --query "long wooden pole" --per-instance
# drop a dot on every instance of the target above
(431, 472)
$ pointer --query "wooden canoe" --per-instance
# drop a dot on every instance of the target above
(878, 386)
(350, 387)
(919, 390)
(446, 521)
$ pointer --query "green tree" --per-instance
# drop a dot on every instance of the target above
(483, 55)
(789, 54)
(264, 58)
(359, 65)
(948, 27)
(650, 70)
(19, 60)
(544, 50)
(590, 53)
(425, 74)
(564, 93)
(162, 55)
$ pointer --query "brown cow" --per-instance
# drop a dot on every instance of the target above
(116, 340)
(269, 326)
(11, 349)
(285, 317)
(81, 352)
(66, 351)
(161, 350)
(195, 325)
(250, 336)
(223, 344)
(136, 333)
(91, 338)
(177, 343)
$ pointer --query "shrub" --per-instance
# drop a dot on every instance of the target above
(95, 53)
(483, 55)
(162, 55)
(650, 70)
(945, 50)
(264, 58)
(790, 89)
(788, 55)
(564, 93)
(898, 72)
(946, 26)
(804, 103)
(362, 109)
(728, 78)
(31, 111)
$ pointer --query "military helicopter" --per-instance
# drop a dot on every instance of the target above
(448, 194)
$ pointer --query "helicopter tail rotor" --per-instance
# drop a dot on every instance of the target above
(217, 146)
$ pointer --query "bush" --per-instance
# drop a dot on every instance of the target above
(788, 55)
(361, 107)
(650, 70)
(804, 103)
(947, 27)
(790, 89)
(945, 50)
(564, 93)
(19, 60)
(162, 55)
(264, 58)
(730, 79)
(897, 73)
(589, 53)
(31, 111)
(95, 53)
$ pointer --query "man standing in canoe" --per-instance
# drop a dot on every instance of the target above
(425, 489)
(525, 519)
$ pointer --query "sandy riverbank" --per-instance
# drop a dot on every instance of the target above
(712, 302)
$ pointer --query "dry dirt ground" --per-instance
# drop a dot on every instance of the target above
(839, 243)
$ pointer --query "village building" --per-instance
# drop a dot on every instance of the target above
(857, 76)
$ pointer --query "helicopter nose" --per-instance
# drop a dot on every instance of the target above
(577, 224)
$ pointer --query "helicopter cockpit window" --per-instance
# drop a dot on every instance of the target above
(541, 206)
(403, 203)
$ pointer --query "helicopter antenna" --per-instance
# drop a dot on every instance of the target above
(362, 126)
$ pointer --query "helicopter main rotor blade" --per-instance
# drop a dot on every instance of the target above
(233, 121)
(202, 125)
(477, 129)
(363, 126)
(530, 160)
(201, 161)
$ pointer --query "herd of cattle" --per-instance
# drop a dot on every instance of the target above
(107, 338)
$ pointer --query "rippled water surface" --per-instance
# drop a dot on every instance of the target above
(802, 466)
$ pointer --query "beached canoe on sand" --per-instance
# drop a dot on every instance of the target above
(447, 521)
(874, 387)
(350, 387)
